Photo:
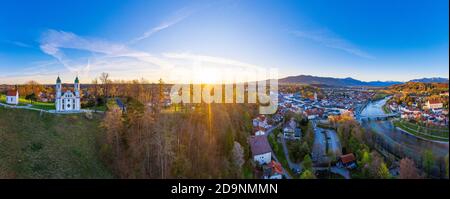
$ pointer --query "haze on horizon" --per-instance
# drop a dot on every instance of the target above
(369, 41)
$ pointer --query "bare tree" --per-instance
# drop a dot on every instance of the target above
(238, 155)
(94, 92)
(408, 169)
(114, 126)
(104, 78)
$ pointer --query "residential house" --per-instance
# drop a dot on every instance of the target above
(291, 131)
(273, 170)
(434, 104)
(261, 151)
(260, 124)
(347, 161)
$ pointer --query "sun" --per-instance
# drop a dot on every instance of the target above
(207, 76)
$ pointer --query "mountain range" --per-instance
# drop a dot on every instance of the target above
(349, 82)
(431, 80)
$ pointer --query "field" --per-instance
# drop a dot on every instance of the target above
(43, 105)
(38, 105)
(49, 146)
(22, 102)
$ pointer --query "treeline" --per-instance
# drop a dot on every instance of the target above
(419, 88)
(375, 156)
(305, 91)
(202, 141)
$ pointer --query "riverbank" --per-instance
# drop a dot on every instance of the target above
(393, 137)
(403, 126)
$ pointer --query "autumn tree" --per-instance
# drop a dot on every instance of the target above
(383, 172)
(364, 164)
(238, 156)
(428, 161)
(94, 92)
(104, 78)
(307, 174)
(408, 169)
(112, 122)
(307, 162)
(375, 164)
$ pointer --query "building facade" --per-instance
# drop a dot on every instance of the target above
(434, 104)
(261, 151)
(67, 99)
(12, 97)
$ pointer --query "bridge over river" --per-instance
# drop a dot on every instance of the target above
(395, 141)
(360, 118)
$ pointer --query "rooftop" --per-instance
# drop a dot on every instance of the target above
(259, 145)
(11, 93)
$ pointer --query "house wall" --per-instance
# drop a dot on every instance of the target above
(278, 176)
(263, 158)
(12, 100)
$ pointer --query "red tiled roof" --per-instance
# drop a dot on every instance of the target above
(259, 145)
(434, 101)
(276, 166)
(348, 158)
(11, 93)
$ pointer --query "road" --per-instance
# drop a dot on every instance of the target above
(268, 132)
(291, 164)
(29, 107)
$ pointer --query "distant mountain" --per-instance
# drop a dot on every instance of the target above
(431, 80)
(330, 81)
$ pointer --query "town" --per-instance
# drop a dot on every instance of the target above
(303, 139)
(321, 108)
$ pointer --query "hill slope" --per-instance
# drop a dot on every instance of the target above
(48, 146)
(308, 79)
(431, 80)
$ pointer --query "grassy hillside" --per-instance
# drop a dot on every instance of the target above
(49, 146)
(23, 102)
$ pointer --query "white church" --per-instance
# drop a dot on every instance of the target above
(67, 100)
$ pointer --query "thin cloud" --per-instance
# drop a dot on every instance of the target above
(54, 42)
(17, 43)
(331, 40)
(177, 18)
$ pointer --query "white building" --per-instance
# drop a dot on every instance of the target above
(434, 104)
(259, 133)
(67, 100)
(261, 151)
(12, 97)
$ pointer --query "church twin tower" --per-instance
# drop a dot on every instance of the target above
(67, 100)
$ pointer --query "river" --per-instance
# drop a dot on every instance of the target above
(394, 137)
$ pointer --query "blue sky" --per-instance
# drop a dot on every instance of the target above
(367, 40)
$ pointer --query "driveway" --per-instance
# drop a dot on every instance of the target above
(268, 132)
(292, 165)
